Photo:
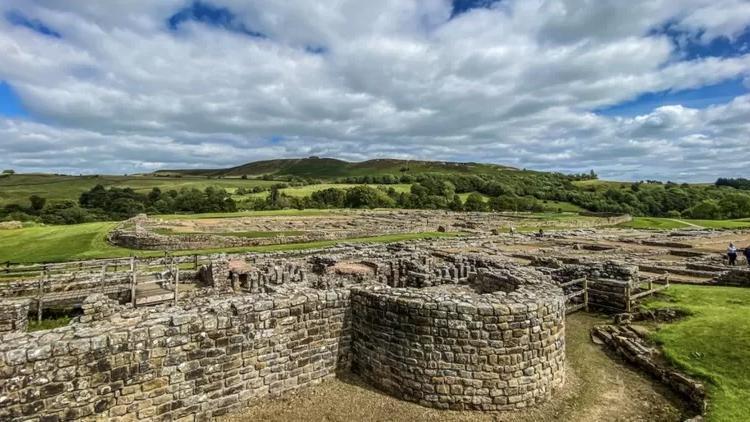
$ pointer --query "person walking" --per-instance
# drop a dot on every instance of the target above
(747, 255)
(732, 254)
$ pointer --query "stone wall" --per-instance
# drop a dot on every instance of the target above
(461, 351)
(470, 332)
(735, 277)
(14, 315)
(190, 363)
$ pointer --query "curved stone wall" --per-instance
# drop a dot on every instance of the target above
(461, 350)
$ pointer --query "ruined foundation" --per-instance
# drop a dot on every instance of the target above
(465, 332)
(462, 352)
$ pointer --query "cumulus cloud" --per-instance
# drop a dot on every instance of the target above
(515, 82)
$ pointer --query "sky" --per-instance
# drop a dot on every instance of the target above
(643, 89)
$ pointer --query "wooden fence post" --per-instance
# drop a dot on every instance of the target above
(176, 282)
(586, 293)
(627, 298)
(40, 294)
(132, 280)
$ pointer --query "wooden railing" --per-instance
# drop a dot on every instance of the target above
(644, 288)
(570, 305)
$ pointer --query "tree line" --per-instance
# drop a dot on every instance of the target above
(508, 191)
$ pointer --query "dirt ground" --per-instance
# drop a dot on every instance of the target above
(719, 244)
(598, 388)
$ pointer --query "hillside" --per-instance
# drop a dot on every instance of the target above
(328, 168)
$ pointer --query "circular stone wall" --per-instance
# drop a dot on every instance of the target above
(460, 349)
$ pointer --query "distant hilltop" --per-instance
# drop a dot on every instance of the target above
(334, 168)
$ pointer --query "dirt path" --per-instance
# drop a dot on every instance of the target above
(597, 389)
(695, 226)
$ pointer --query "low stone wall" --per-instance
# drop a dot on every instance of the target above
(191, 363)
(737, 277)
(14, 315)
(465, 351)
(628, 343)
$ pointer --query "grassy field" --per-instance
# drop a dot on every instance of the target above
(303, 191)
(654, 223)
(87, 241)
(57, 243)
(309, 189)
(549, 206)
(17, 188)
(713, 343)
(558, 206)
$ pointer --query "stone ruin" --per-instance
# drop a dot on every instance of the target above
(449, 331)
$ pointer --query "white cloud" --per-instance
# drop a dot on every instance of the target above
(514, 84)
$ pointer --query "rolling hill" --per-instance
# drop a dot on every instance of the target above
(328, 168)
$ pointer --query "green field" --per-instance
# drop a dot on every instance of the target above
(558, 206)
(303, 191)
(549, 206)
(712, 343)
(88, 241)
(655, 223)
(18, 187)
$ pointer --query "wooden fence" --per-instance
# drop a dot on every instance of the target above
(627, 298)
(148, 280)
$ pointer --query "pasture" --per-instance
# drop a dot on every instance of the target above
(19, 187)
(41, 244)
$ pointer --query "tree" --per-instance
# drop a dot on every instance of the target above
(735, 206)
(367, 197)
(456, 204)
(706, 210)
(329, 198)
(8, 172)
(37, 202)
(475, 202)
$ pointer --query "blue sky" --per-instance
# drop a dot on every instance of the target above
(643, 89)
(702, 97)
(10, 103)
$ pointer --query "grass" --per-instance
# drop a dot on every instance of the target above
(713, 343)
(57, 243)
(88, 241)
(722, 224)
(48, 324)
(549, 206)
(655, 223)
(559, 206)
(303, 191)
(18, 187)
